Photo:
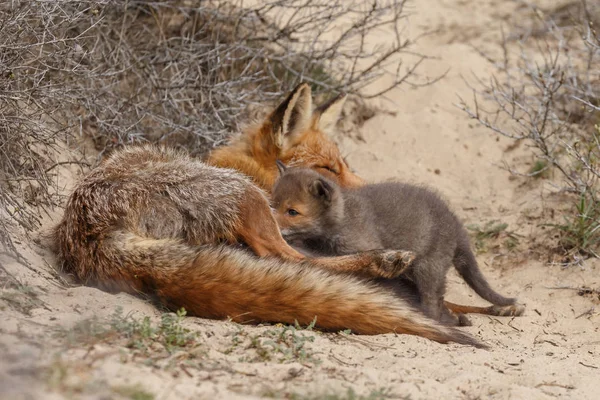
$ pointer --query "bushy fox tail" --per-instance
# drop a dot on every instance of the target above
(223, 281)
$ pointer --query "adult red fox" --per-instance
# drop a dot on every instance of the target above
(294, 134)
(153, 221)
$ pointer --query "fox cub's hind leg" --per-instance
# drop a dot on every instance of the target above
(259, 230)
(451, 318)
(429, 276)
(455, 313)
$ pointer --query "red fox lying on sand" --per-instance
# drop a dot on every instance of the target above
(329, 220)
(153, 221)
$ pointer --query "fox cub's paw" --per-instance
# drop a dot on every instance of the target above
(391, 263)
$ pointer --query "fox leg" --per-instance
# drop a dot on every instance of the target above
(259, 230)
(498, 311)
(452, 318)
(374, 263)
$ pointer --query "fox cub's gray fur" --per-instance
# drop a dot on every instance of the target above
(316, 214)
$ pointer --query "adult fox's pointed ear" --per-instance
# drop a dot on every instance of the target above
(327, 114)
(281, 167)
(292, 116)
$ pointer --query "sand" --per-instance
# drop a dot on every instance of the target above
(551, 351)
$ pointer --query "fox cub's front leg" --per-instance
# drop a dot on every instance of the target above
(258, 229)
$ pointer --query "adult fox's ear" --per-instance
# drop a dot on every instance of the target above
(327, 114)
(321, 189)
(281, 167)
(292, 116)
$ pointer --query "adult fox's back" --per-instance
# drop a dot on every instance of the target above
(155, 222)
(294, 134)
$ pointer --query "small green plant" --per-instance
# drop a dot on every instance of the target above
(539, 169)
(284, 344)
(350, 394)
(237, 339)
(174, 334)
(133, 392)
(492, 230)
(136, 334)
(581, 230)
(170, 333)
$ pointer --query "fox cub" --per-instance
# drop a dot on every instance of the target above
(323, 218)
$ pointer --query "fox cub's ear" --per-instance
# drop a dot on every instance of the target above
(280, 166)
(292, 116)
(326, 115)
(321, 189)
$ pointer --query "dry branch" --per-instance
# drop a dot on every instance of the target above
(548, 96)
(181, 72)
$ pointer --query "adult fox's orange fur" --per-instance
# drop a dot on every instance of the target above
(294, 134)
(153, 221)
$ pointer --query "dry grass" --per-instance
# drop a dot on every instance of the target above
(184, 73)
(547, 87)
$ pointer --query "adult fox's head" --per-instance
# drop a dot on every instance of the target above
(301, 135)
(294, 134)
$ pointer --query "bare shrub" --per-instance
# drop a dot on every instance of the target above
(178, 72)
(549, 92)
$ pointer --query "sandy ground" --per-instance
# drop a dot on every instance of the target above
(50, 349)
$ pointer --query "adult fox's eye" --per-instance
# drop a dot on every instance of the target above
(333, 171)
(292, 213)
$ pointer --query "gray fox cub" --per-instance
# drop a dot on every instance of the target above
(316, 214)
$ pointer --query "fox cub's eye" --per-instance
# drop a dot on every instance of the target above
(292, 213)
